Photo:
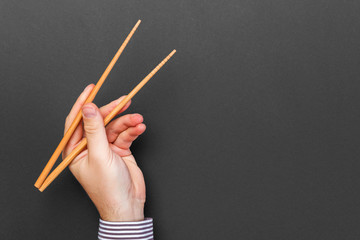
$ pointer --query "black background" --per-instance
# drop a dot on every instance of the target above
(252, 127)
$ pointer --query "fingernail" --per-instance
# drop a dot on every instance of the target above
(89, 112)
(88, 87)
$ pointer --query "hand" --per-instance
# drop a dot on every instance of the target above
(106, 169)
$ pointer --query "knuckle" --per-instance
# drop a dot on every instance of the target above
(112, 131)
(91, 128)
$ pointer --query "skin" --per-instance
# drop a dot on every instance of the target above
(106, 169)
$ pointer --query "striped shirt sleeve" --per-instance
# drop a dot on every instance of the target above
(140, 230)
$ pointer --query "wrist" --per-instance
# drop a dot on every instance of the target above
(132, 212)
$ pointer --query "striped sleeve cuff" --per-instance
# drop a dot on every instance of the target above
(140, 230)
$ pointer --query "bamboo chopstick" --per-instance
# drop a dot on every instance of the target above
(107, 119)
(78, 117)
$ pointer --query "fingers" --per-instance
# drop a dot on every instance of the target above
(77, 106)
(94, 127)
(125, 139)
(121, 124)
(98, 146)
(105, 110)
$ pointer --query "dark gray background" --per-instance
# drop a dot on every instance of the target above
(253, 126)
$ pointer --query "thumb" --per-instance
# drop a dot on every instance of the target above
(97, 143)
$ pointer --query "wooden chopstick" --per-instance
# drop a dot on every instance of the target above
(78, 117)
(107, 119)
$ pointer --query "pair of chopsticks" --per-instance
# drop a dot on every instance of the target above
(44, 180)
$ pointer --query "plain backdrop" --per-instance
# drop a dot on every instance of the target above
(252, 127)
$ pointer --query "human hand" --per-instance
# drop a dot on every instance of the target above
(106, 169)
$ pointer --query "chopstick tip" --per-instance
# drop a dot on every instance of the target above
(172, 52)
(42, 188)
